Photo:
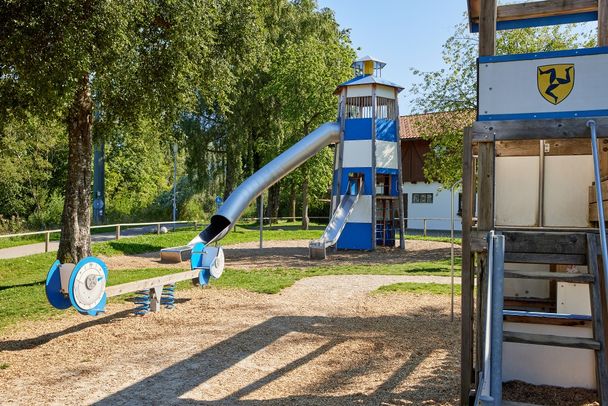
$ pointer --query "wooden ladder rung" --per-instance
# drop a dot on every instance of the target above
(551, 340)
(554, 276)
(560, 319)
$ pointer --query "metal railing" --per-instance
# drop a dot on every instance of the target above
(489, 391)
(117, 230)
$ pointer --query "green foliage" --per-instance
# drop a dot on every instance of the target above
(453, 89)
(32, 170)
(420, 288)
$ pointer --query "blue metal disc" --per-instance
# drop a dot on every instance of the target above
(100, 306)
(52, 288)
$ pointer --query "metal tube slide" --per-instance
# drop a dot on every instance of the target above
(275, 170)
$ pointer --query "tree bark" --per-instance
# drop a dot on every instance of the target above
(292, 199)
(274, 201)
(305, 221)
(75, 242)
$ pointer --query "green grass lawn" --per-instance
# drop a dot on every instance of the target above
(414, 287)
(22, 279)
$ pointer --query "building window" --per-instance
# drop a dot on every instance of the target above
(422, 198)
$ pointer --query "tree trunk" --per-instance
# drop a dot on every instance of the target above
(75, 242)
(274, 201)
(292, 198)
(305, 221)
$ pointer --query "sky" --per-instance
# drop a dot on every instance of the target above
(403, 33)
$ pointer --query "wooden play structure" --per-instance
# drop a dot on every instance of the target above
(534, 303)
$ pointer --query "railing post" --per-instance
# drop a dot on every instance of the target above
(117, 231)
(47, 240)
(497, 317)
(158, 228)
(424, 222)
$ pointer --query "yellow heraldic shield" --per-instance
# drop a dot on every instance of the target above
(555, 82)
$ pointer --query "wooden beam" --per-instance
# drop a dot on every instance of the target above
(487, 27)
(551, 340)
(485, 187)
(602, 21)
(549, 8)
(551, 276)
(545, 129)
(467, 302)
(533, 258)
(546, 242)
(150, 283)
(576, 146)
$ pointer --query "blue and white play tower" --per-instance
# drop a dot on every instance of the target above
(369, 155)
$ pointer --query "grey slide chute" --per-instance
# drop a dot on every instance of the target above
(275, 170)
(338, 220)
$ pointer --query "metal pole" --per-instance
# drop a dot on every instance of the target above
(497, 314)
(485, 395)
(452, 245)
(261, 221)
(600, 200)
(541, 185)
(174, 184)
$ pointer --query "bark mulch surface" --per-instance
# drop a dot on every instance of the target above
(323, 341)
(294, 254)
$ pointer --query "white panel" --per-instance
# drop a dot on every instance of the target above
(385, 91)
(357, 154)
(543, 365)
(438, 211)
(517, 287)
(359, 91)
(362, 213)
(386, 155)
(573, 298)
(567, 179)
(517, 182)
(511, 87)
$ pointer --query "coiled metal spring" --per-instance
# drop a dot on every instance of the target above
(168, 297)
(143, 301)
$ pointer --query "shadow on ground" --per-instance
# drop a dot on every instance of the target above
(394, 334)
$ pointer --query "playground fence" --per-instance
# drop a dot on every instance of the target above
(118, 227)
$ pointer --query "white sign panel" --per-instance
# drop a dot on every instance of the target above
(557, 84)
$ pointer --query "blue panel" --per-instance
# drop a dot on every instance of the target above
(394, 185)
(387, 171)
(533, 116)
(544, 55)
(386, 130)
(542, 21)
(53, 288)
(367, 179)
(356, 236)
(358, 129)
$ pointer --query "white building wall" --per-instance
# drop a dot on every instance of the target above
(440, 208)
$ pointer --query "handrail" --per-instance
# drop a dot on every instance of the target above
(599, 198)
(490, 385)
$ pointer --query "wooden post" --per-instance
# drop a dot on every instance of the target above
(602, 23)
(117, 231)
(467, 309)
(602, 41)
(158, 229)
(487, 47)
(424, 227)
(47, 240)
